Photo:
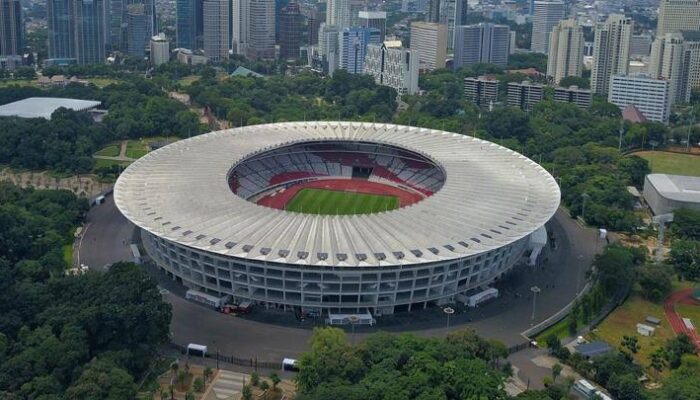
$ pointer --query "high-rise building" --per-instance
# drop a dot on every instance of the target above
(315, 15)
(89, 24)
(338, 13)
(61, 33)
(186, 24)
(640, 46)
(481, 43)
(482, 91)
(240, 16)
(650, 96)
(160, 49)
(11, 28)
(393, 66)
(451, 13)
(290, 25)
(136, 30)
(216, 29)
(328, 48)
(261, 29)
(610, 51)
(565, 50)
(676, 58)
(547, 15)
(575, 95)
(433, 14)
(525, 95)
(429, 39)
(374, 19)
(678, 15)
(353, 47)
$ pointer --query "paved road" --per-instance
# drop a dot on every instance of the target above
(276, 335)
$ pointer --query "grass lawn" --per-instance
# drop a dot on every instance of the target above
(108, 163)
(672, 163)
(110, 151)
(188, 80)
(689, 311)
(68, 254)
(136, 148)
(102, 82)
(331, 202)
(560, 329)
(18, 82)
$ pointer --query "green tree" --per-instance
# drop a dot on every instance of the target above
(683, 383)
(102, 379)
(247, 393)
(685, 258)
(582, 83)
(686, 223)
(198, 384)
(275, 379)
(631, 343)
(655, 281)
(556, 371)
(264, 386)
(254, 379)
(676, 348)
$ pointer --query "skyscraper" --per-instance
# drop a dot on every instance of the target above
(261, 29)
(290, 25)
(216, 29)
(429, 39)
(186, 24)
(676, 59)
(239, 21)
(160, 49)
(61, 33)
(136, 30)
(315, 15)
(678, 15)
(338, 13)
(374, 19)
(393, 66)
(610, 52)
(565, 50)
(353, 47)
(481, 43)
(547, 14)
(11, 28)
(89, 25)
(650, 96)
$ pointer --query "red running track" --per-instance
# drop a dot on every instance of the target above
(280, 200)
(676, 321)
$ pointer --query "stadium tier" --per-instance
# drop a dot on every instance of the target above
(423, 215)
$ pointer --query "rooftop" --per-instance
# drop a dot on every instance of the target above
(593, 349)
(676, 187)
(43, 107)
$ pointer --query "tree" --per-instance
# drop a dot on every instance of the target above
(614, 268)
(676, 348)
(686, 223)
(582, 83)
(631, 343)
(208, 373)
(102, 379)
(685, 258)
(556, 371)
(275, 379)
(247, 393)
(553, 343)
(655, 281)
(683, 382)
(264, 386)
(189, 395)
(658, 360)
(254, 379)
(198, 384)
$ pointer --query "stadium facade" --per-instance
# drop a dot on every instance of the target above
(211, 216)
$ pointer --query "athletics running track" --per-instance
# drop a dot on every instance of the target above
(280, 199)
(676, 321)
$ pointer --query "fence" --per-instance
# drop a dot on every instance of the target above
(230, 359)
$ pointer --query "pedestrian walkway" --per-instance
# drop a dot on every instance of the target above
(227, 385)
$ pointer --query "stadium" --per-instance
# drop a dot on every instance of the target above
(336, 217)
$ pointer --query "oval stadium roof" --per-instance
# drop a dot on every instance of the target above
(492, 196)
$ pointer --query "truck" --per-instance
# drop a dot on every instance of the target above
(211, 301)
(478, 298)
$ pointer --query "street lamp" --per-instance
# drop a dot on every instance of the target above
(448, 311)
(534, 290)
(217, 355)
(353, 320)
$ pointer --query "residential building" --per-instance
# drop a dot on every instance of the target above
(353, 47)
(11, 29)
(261, 29)
(216, 35)
(338, 13)
(610, 52)
(374, 19)
(678, 15)
(640, 46)
(650, 96)
(290, 25)
(136, 30)
(676, 58)
(547, 15)
(565, 50)
(573, 94)
(525, 95)
(482, 91)
(429, 39)
(328, 51)
(315, 15)
(393, 66)
(89, 25)
(481, 43)
(160, 49)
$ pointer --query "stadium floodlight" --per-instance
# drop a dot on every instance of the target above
(661, 220)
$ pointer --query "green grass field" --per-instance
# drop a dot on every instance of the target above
(136, 149)
(110, 151)
(331, 202)
(672, 163)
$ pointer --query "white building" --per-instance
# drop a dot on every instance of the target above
(610, 52)
(393, 66)
(261, 29)
(374, 19)
(216, 29)
(160, 49)
(652, 97)
(338, 14)
(678, 15)
(481, 43)
(353, 47)
(328, 49)
(239, 25)
(676, 58)
(547, 14)
(429, 39)
(565, 50)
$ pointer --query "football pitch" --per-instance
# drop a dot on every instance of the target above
(333, 202)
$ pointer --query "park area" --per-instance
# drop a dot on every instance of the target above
(335, 202)
(662, 162)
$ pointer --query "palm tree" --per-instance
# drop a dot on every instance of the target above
(275, 380)
(207, 374)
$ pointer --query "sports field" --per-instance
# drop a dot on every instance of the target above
(333, 202)
(672, 163)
